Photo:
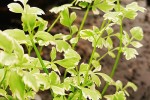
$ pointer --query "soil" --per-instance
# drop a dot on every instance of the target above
(135, 70)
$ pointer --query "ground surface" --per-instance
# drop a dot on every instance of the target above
(135, 70)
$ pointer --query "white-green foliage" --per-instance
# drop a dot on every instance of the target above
(21, 74)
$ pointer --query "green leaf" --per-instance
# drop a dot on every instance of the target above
(95, 79)
(105, 77)
(55, 68)
(72, 72)
(54, 78)
(95, 63)
(105, 6)
(70, 53)
(44, 38)
(2, 71)
(3, 93)
(65, 19)
(100, 43)
(130, 14)
(83, 68)
(96, 55)
(117, 96)
(34, 10)
(137, 33)
(113, 16)
(8, 58)
(15, 7)
(68, 62)
(132, 85)
(87, 34)
(17, 86)
(61, 8)
(91, 94)
(42, 24)
(136, 44)
(109, 30)
(29, 21)
(74, 29)
(42, 81)
(53, 53)
(83, 4)
(119, 85)
(6, 42)
(74, 40)
(73, 16)
(135, 7)
(111, 54)
(109, 43)
(58, 90)
(129, 53)
(30, 80)
(17, 34)
(125, 38)
(62, 45)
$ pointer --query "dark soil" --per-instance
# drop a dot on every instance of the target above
(135, 70)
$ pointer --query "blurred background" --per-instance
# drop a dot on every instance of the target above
(135, 70)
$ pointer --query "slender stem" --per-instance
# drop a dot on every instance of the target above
(82, 23)
(65, 75)
(116, 61)
(37, 53)
(49, 29)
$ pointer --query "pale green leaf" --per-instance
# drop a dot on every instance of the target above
(15, 7)
(118, 85)
(29, 21)
(105, 77)
(34, 10)
(111, 54)
(65, 19)
(54, 78)
(61, 8)
(95, 79)
(44, 38)
(113, 16)
(87, 34)
(136, 44)
(62, 45)
(17, 34)
(53, 53)
(83, 4)
(100, 43)
(132, 85)
(17, 86)
(83, 68)
(129, 53)
(2, 71)
(135, 7)
(74, 40)
(105, 6)
(3, 93)
(125, 38)
(96, 55)
(73, 16)
(58, 90)
(91, 94)
(42, 80)
(109, 43)
(68, 62)
(30, 81)
(109, 30)
(42, 24)
(6, 42)
(137, 33)
(74, 29)
(8, 58)
(72, 72)
(95, 63)
(55, 68)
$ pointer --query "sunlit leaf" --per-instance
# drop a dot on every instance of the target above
(15, 7)
(129, 53)
(137, 33)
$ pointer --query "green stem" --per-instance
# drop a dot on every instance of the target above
(82, 24)
(116, 61)
(37, 53)
(49, 29)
